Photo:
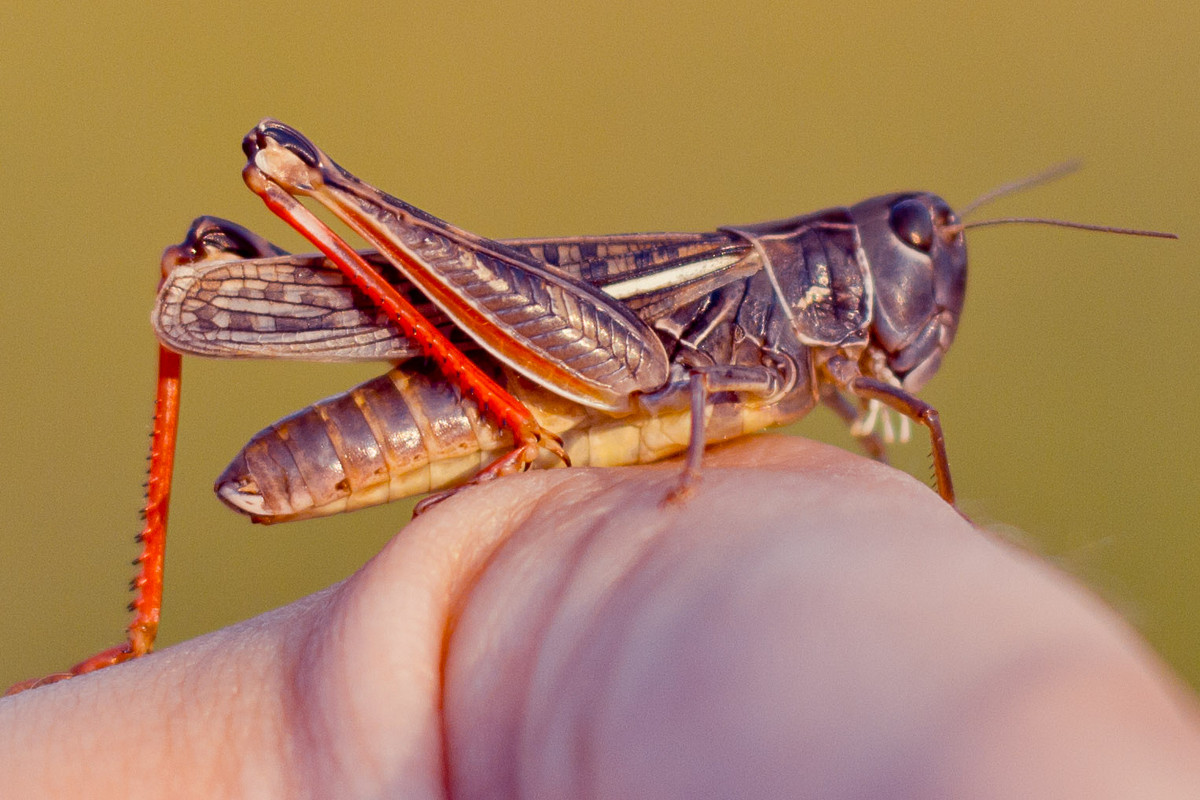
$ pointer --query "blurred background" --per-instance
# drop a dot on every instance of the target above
(1068, 400)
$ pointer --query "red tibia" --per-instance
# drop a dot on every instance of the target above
(149, 581)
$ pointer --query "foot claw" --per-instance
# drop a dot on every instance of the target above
(432, 500)
(34, 683)
(554, 443)
(682, 490)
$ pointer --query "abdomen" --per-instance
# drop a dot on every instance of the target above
(408, 432)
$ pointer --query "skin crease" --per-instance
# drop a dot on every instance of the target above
(807, 624)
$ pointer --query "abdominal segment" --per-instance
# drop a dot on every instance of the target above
(409, 432)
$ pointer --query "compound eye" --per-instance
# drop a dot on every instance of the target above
(911, 221)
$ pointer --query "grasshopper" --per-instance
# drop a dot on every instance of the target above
(599, 350)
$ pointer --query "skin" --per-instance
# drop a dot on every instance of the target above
(807, 624)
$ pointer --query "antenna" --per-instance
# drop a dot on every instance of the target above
(1062, 223)
(1051, 174)
(1021, 184)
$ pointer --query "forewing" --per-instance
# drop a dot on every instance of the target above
(300, 307)
(287, 307)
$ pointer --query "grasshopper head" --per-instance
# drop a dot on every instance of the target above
(914, 245)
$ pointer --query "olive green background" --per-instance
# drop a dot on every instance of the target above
(1069, 399)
